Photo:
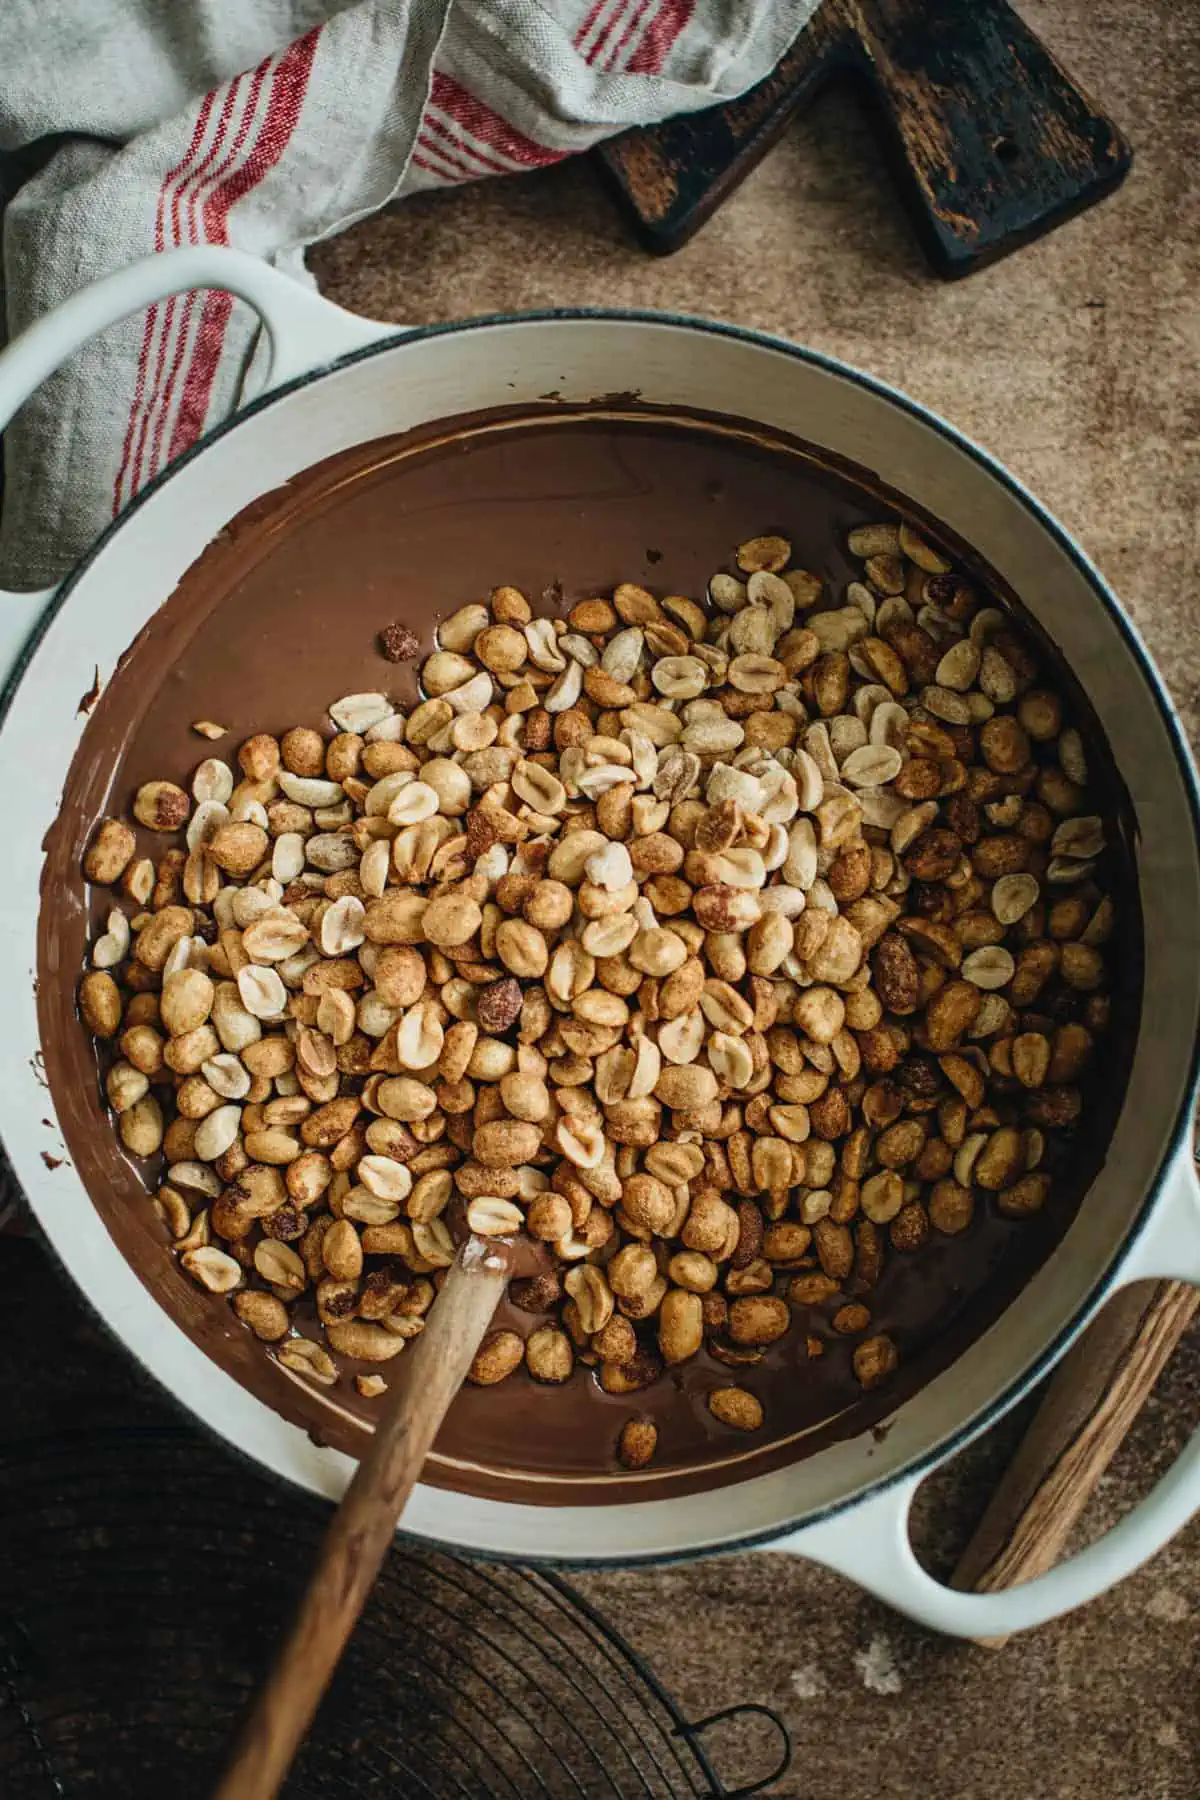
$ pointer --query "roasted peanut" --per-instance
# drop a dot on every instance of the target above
(722, 948)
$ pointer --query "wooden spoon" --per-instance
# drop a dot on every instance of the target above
(365, 1523)
(1089, 1404)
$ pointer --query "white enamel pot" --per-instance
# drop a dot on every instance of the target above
(337, 381)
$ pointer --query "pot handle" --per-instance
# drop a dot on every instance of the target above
(869, 1543)
(304, 332)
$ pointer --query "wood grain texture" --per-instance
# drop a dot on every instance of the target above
(989, 140)
(363, 1527)
(1089, 1406)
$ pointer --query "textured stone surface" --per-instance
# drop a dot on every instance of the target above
(1075, 362)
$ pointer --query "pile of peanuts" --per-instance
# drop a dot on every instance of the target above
(727, 948)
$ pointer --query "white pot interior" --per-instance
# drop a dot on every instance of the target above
(417, 381)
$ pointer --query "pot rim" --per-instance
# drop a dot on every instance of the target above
(1051, 1353)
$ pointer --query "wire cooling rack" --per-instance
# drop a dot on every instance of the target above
(145, 1579)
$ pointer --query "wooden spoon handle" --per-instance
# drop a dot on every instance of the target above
(365, 1524)
(1088, 1407)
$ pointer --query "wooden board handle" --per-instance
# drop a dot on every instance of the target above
(1089, 1405)
(671, 177)
(990, 140)
(363, 1527)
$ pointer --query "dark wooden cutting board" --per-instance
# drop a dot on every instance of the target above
(989, 139)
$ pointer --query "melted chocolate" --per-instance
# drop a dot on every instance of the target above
(281, 615)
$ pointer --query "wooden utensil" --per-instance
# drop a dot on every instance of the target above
(1090, 1403)
(989, 139)
(365, 1522)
